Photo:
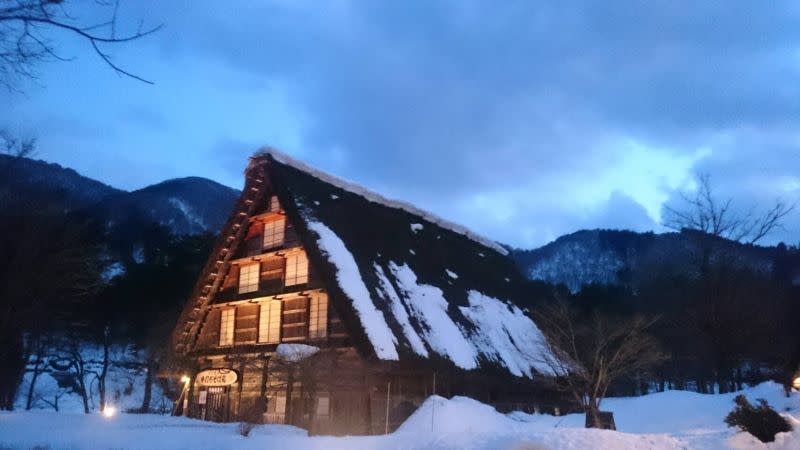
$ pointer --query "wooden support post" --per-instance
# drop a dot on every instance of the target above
(388, 392)
(433, 402)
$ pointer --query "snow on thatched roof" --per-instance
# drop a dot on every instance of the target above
(418, 287)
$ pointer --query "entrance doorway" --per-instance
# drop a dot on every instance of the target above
(217, 404)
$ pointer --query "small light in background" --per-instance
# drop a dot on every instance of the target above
(796, 383)
(185, 379)
(109, 411)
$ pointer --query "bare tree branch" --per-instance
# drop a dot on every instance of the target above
(22, 48)
(587, 355)
(703, 212)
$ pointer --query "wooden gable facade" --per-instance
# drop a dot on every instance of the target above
(270, 336)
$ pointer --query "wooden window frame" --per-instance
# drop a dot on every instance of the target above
(248, 274)
(296, 271)
(274, 204)
(318, 316)
(227, 326)
(274, 234)
(270, 318)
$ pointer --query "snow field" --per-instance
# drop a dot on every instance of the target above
(662, 421)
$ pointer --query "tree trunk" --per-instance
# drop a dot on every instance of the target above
(13, 359)
(101, 377)
(37, 370)
(84, 396)
(32, 387)
(148, 385)
(595, 418)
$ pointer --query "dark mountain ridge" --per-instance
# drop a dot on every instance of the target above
(627, 257)
(73, 189)
(185, 206)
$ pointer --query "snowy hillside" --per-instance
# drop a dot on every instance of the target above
(615, 256)
(668, 420)
(188, 205)
(55, 386)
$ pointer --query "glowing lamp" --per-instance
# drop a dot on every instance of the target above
(185, 379)
(109, 411)
(796, 383)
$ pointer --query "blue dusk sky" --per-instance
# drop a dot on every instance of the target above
(523, 120)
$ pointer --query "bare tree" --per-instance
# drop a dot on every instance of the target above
(16, 146)
(702, 211)
(24, 45)
(587, 354)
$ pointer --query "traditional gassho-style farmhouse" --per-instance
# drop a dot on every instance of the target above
(329, 307)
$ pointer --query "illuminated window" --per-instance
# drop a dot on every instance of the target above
(274, 233)
(269, 324)
(296, 269)
(248, 278)
(226, 326)
(318, 316)
(274, 205)
(294, 324)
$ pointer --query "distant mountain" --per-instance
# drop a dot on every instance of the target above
(70, 187)
(626, 257)
(185, 205)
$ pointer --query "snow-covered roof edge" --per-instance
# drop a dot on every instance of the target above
(380, 199)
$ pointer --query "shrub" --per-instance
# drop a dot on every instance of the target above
(245, 428)
(761, 421)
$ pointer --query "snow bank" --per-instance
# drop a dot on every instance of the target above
(469, 421)
(373, 321)
(456, 415)
(377, 198)
(429, 307)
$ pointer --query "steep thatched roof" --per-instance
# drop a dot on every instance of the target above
(415, 286)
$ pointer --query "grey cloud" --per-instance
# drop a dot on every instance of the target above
(440, 102)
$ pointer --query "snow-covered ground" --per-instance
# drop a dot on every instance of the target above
(668, 420)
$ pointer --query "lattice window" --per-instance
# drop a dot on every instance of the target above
(296, 269)
(274, 204)
(269, 324)
(274, 233)
(294, 325)
(248, 278)
(318, 316)
(226, 326)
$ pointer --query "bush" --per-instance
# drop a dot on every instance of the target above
(761, 421)
(245, 428)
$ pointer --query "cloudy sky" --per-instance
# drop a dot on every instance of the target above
(523, 120)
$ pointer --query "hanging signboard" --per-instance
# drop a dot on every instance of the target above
(216, 377)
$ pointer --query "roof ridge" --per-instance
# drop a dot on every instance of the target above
(372, 196)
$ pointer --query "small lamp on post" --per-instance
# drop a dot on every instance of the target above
(185, 380)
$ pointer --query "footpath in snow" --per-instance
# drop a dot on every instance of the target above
(667, 420)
